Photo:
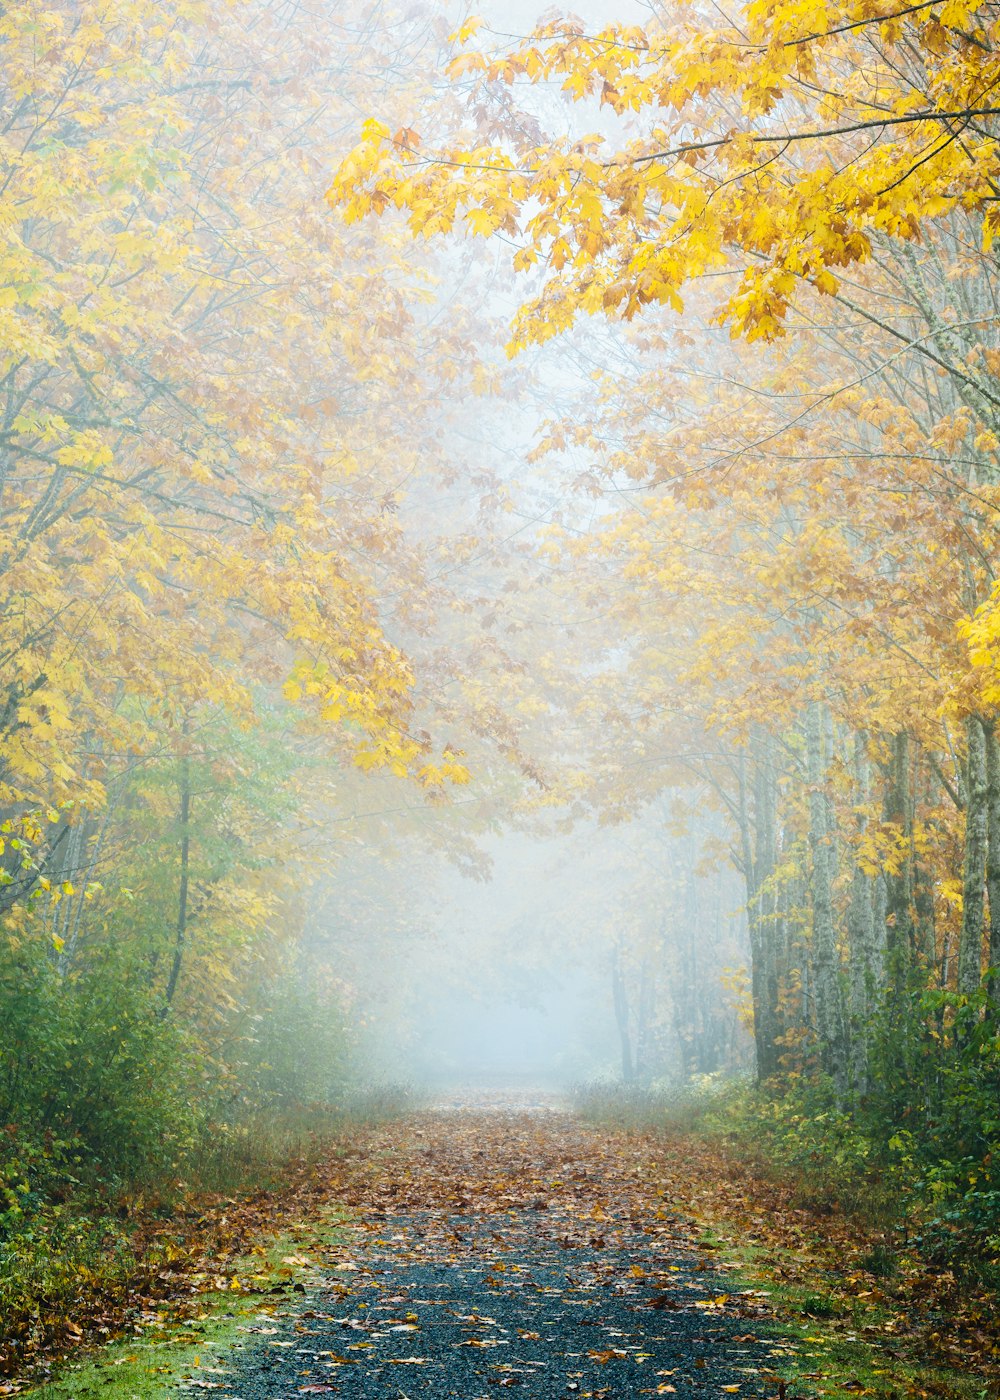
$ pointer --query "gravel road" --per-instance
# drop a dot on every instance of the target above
(501, 1245)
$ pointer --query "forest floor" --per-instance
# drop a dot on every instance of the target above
(500, 1243)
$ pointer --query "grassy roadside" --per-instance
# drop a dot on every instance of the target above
(832, 1274)
(172, 1255)
(183, 1342)
(827, 1349)
(847, 1311)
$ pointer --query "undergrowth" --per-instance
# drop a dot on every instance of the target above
(78, 1242)
(256, 1149)
(178, 1345)
(917, 1187)
(835, 1221)
(121, 1110)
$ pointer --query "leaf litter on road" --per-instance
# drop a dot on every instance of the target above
(517, 1223)
(509, 1246)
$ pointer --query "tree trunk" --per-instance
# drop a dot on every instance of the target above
(923, 890)
(180, 930)
(647, 1011)
(758, 842)
(970, 943)
(864, 951)
(826, 971)
(993, 854)
(899, 883)
(620, 996)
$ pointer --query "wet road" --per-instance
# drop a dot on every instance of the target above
(498, 1243)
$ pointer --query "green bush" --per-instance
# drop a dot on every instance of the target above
(114, 1107)
(296, 1049)
(87, 1060)
(58, 1257)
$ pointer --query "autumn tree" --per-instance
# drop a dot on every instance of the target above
(216, 582)
(815, 534)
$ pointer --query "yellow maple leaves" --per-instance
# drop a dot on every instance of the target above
(836, 143)
(175, 533)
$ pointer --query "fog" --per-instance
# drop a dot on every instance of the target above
(510, 976)
(527, 929)
(364, 751)
(498, 590)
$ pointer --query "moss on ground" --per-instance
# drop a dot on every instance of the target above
(821, 1348)
(185, 1343)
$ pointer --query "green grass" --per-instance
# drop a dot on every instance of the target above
(170, 1348)
(824, 1351)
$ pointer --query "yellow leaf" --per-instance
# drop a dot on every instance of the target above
(481, 221)
(465, 33)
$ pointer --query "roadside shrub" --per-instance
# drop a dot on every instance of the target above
(114, 1108)
(86, 1059)
(919, 1149)
(296, 1049)
(55, 1260)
